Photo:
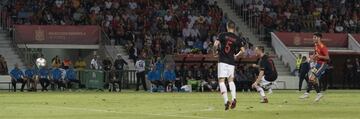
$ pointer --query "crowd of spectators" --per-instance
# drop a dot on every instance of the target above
(151, 27)
(330, 16)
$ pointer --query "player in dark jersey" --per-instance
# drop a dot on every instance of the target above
(320, 57)
(229, 46)
(267, 74)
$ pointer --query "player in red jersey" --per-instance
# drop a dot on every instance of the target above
(320, 57)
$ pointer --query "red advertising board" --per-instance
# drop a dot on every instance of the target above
(306, 39)
(57, 34)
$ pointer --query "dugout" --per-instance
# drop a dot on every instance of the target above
(338, 62)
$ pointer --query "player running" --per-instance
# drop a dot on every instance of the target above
(267, 74)
(227, 46)
(320, 57)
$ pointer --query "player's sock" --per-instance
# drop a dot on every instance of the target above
(223, 91)
(317, 88)
(270, 91)
(261, 91)
(232, 89)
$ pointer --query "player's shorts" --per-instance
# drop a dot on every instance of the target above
(225, 70)
(319, 70)
(266, 84)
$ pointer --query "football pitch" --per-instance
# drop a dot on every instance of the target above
(284, 104)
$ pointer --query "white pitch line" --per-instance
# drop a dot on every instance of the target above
(135, 113)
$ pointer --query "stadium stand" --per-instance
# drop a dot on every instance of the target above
(182, 31)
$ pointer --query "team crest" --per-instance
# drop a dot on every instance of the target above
(39, 34)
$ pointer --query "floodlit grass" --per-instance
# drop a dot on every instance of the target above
(143, 105)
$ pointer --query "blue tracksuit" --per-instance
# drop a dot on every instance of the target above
(56, 74)
(169, 75)
(159, 66)
(16, 73)
(29, 73)
(43, 73)
(154, 75)
(70, 74)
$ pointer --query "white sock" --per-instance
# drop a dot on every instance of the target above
(261, 91)
(232, 89)
(223, 91)
(270, 90)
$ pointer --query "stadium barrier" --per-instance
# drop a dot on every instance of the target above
(291, 39)
(57, 34)
(283, 52)
(92, 79)
(354, 42)
(96, 79)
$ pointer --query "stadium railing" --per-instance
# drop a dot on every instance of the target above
(250, 17)
(96, 79)
(353, 44)
(283, 52)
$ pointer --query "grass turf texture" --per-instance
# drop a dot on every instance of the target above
(143, 105)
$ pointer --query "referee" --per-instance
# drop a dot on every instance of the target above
(140, 73)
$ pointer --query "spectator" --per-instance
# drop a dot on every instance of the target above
(329, 74)
(140, 73)
(119, 66)
(179, 78)
(30, 76)
(107, 64)
(191, 81)
(55, 62)
(250, 51)
(56, 79)
(133, 52)
(119, 63)
(80, 64)
(66, 63)
(357, 72)
(159, 64)
(348, 73)
(3, 66)
(169, 79)
(44, 78)
(244, 82)
(113, 80)
(298, 63)
(213, 78)
(205, 80)
(17, 76)
(72, 78)
(154, 77)
(95, 63)
(303, 72)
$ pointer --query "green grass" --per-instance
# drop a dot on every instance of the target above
(143, 105)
